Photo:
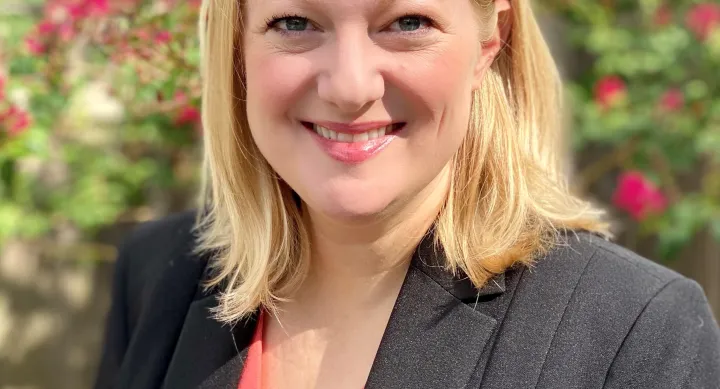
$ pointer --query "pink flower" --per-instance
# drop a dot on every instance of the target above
(81, 9)
(16, 120)
(672, 100)
(98, 7)
(187, 115)
(2, 87)
(638, 196)
(610, 91)
(45, 27)
(703, 19)
(180, 97)
(66, 31)
(20, 124)
(162, 37)
(34, 46)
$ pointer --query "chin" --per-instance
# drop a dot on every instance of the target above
(349, 208)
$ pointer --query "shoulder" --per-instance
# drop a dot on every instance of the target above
(595, 263)
(591, 284)
(156, 243)
(650, 326)
(610, 287)
(156, 234)
(598, 307)
(155, 249)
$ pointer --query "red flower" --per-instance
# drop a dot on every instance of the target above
(187, 115)
(16, 120)
(638, 196)
(610, 91)
(162, 37)
(672, 100)
(703, 19)
(663, 15)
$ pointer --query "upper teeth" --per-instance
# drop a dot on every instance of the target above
(349, 138)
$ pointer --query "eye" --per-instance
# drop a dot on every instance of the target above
(411, 23)
(289, 24)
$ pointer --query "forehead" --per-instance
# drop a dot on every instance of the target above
(350, 5)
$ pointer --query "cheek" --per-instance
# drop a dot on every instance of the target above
(441, 78)
(441, 83)
(274, 83)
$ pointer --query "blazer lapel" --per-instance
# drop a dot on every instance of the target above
(209, 354)
(436, 335)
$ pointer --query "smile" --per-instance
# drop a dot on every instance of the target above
(353, 143)
(353, 137)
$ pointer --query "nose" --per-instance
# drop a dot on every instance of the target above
(351, 79)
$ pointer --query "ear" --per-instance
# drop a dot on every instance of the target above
(490, 48)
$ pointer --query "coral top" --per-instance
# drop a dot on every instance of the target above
(252, 372)
(250, 377)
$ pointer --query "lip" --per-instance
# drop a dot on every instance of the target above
(353, 152)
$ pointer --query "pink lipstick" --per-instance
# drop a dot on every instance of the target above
(353, 143)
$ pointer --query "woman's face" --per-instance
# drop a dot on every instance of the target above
(360, 104)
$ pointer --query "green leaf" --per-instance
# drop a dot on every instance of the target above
(11, 216)
(696, 89)
(683, 220)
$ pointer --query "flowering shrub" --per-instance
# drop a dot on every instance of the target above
(650, 97)
(98, 114)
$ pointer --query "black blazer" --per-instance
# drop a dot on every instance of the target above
(588, 315)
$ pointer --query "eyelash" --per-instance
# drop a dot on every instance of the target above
(273, 21)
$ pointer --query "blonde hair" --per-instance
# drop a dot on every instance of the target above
(507, 202)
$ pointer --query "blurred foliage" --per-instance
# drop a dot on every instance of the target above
(99, 119)
(650, 93)
(108, 90)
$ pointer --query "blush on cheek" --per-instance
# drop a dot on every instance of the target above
(437, 78)
(275, 81)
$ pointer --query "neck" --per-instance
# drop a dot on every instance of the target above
(362, 261)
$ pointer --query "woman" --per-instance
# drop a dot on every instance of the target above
(386, 207)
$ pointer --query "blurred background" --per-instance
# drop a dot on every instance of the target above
(99, 131)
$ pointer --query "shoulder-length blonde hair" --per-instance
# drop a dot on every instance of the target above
(508, 198)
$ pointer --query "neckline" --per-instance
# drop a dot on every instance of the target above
(251, 376)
